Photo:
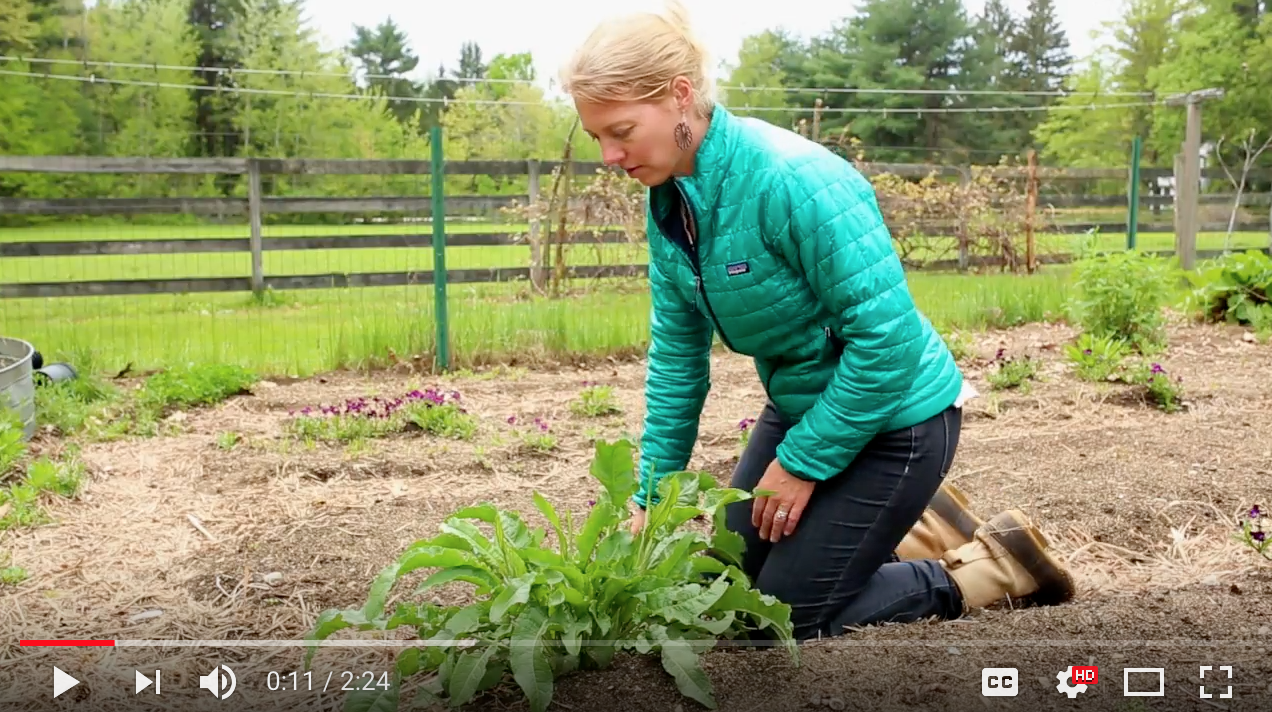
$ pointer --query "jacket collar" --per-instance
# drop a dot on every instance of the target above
(709, 166)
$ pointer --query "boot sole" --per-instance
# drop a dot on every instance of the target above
(1028, 547)
(951, 505)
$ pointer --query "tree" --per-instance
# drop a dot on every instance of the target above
(470, 65)
(17, 31)
(757, 79)
(1134, 46)
(1041, 49)
(386, 59)
(896, 44)
(214, 110)
(137, 120)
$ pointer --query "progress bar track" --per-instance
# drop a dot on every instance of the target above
(1253, 643)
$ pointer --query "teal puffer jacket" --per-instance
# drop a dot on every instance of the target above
(793, 266)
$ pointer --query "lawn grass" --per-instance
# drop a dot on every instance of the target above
(303, 332)
(300, 333)
(305, 262)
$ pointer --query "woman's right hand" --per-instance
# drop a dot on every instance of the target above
(638, 521)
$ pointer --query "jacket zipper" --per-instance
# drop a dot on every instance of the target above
(692, 254)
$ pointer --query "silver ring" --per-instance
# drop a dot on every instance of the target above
(781, 514)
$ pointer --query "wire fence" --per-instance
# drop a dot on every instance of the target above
(295, 265)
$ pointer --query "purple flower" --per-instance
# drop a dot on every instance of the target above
(1086, 351)
(1257, 536)
(999, 356)
(1255, 512)
(591, 503)
(512, 420)
(746, 423)
(1156, 369)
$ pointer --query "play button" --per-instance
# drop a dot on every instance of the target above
(62, 682)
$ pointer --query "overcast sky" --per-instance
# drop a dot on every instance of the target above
(438, 29)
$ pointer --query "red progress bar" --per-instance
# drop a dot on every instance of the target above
(66, 643)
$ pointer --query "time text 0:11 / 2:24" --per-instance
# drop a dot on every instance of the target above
(345, 680)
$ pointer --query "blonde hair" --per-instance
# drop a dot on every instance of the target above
(636, 57)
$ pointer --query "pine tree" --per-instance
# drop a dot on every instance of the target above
(1042, 48)
(387, 59)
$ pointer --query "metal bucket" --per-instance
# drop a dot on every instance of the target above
(17, 389)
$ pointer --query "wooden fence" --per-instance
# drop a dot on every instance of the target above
(256, 205)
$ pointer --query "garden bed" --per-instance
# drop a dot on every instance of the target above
(238, 525)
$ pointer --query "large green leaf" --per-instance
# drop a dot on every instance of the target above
(528, 657)
(484, 580)
(468, 618)
(477, 542)
(686, 603)
(671, 557)
(679, 659)
(767, 611)
(614, 467)
(602, 517)
(550, 513)
(468, 673)
(516, 592)
(375, 699)
(412, 560)
(331, 621)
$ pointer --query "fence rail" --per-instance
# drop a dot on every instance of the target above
(256, 205)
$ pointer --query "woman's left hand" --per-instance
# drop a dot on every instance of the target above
(777, 515)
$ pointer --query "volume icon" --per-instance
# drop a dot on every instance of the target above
(220, 682)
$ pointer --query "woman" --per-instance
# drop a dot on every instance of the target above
(777, 246)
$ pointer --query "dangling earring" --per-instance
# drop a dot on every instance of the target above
(684, 135)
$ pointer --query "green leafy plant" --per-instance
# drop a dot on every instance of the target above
(358, 419)
(594, 401)
(1012, 372)
(1255, 531)
(536, 437)
(1121, 295)
(20, 501)
(959, 344)
(13, 575)
(541, 611)
(1097, 358)
(1235, 288)
(1165, 391)
(12, 446)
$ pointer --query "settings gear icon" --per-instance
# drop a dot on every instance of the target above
(1066, 686)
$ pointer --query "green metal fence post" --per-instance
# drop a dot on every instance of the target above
(1132, 195)
(438, 169)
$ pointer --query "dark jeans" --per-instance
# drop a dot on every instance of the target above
(838, 568)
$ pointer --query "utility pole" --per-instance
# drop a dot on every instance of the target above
(1188, 185)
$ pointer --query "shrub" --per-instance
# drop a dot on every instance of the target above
(542, 611)
(1097, 358)
(1236, 288)
(1121, 295)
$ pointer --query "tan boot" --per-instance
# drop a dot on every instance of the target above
(946, 524)
(1008, 558)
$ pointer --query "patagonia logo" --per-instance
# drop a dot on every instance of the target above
(737, 268)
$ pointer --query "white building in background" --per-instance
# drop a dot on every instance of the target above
(1166, 184)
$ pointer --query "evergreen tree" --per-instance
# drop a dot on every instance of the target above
(386, 58)
(1042, 48)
